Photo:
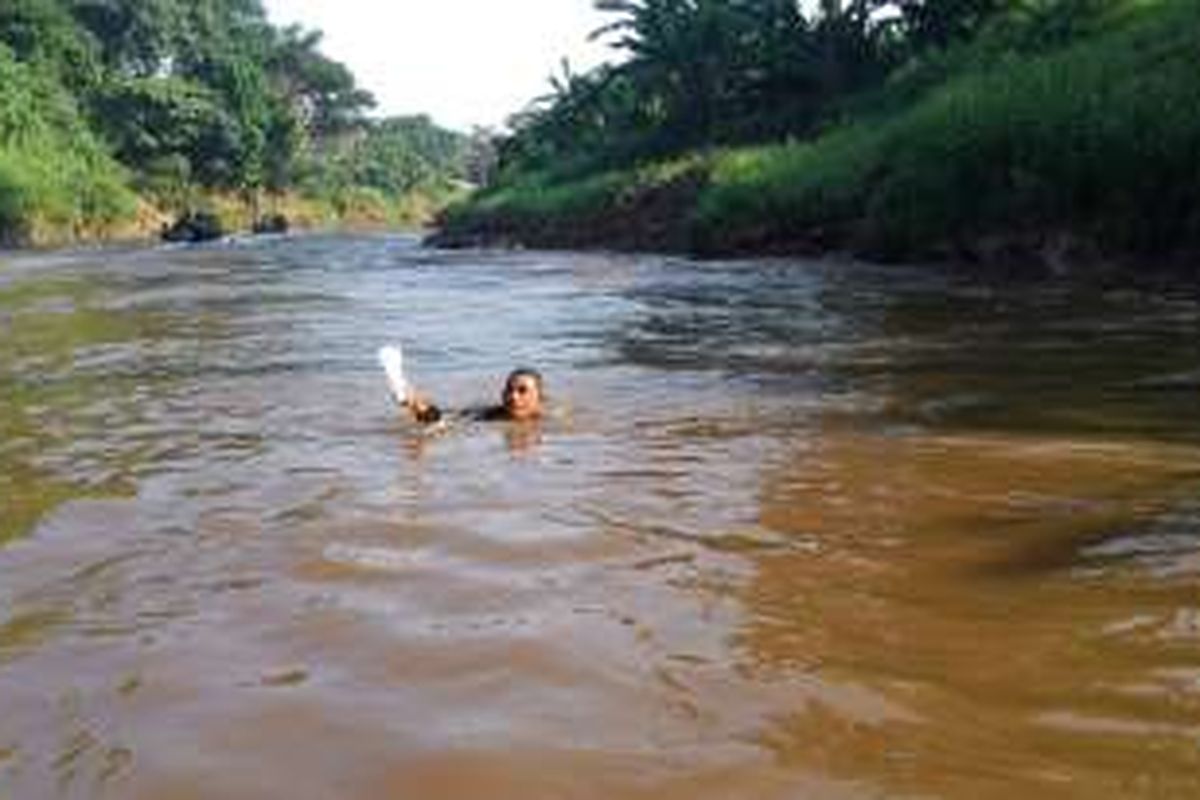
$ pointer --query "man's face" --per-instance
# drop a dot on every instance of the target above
(522, 398)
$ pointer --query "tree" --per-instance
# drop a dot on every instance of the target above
(43, 33)
(133, 37)
(208, 93)
(154, 122)
(321, 93)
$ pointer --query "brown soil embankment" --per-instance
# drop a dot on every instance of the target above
(661, 218)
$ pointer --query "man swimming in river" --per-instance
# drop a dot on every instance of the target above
(520, 401)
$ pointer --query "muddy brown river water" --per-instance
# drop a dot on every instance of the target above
(794, 530)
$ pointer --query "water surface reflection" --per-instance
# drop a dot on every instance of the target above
(798, 529)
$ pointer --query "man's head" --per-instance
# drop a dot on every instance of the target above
(522, 396)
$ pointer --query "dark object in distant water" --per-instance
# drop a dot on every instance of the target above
(271, 223)
(194, 226)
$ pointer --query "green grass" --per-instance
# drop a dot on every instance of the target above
(53, 170)
(542, 201)
(536, 196)
(1104, 137)
(1100, 139)
(799, 185)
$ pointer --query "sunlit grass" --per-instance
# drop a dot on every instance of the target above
(1103, 138)
(809, 183)
(54, 173)
(541, 200)
(1100, 138)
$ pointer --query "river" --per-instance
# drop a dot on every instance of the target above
(793, 529)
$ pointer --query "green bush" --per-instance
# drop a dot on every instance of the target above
(53, 171)
(815, 183)
(1099, 138)
(540, 198)
(1102, 138)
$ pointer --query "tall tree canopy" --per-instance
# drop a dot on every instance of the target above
(209, 94)
(697, 73)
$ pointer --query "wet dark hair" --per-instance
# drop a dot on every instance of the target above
(525, 372)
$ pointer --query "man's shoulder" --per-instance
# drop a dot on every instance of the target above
(490, 413)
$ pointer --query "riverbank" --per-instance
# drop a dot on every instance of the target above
(1081, 158)
(97, 146)
(147, 221)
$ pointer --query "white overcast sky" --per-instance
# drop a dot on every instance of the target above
(463, 62)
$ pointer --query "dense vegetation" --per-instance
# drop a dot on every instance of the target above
(52, 167)
(185, 103)
(978, 128)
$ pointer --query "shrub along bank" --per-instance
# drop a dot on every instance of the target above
(118, 116)
(1086, 153)
(54, 173)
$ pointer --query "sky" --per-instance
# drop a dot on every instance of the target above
(462, 62)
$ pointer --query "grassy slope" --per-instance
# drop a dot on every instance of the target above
(1098, 143)
(54, 174)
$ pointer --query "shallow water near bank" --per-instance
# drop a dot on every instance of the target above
(795, 529)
